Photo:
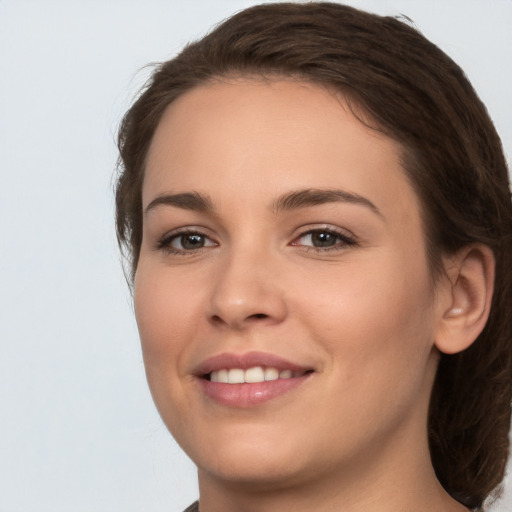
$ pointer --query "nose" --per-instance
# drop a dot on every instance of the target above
(246, 292)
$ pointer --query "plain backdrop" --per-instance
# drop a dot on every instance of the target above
(78, 430)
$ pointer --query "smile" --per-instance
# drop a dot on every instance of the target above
(250, 379)
(252, 375)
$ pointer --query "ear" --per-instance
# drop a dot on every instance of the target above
(466, 298)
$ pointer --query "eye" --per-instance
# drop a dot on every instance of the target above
(185, 242)
(324, 239)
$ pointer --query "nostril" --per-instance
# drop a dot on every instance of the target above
(258, 316)
(217, 319)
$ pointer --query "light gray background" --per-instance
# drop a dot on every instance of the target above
(78, 430)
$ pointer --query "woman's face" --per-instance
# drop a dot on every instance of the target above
(282, 241)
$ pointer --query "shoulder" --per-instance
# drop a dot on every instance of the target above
(193, 508)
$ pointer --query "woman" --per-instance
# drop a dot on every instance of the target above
(316, 209)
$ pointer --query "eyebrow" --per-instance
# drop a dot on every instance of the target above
(287, 202)
(313, 197)
(186, 201)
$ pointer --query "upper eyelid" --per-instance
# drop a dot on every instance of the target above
(346, 239)
(308, 228)
(311, 228)
(164, 242)
(185, 230)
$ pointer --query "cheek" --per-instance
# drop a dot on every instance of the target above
(166, 318)
(375, 319)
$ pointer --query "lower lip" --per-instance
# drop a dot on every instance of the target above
(250, 394)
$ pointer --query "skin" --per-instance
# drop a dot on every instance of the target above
(363, 314)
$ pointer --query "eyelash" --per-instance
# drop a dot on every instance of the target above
(164, 244)
(344, 240)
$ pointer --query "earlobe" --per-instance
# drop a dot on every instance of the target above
(465, 312)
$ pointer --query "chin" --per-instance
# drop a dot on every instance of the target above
(262, 473)
(252, 458)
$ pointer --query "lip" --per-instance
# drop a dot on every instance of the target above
(248, 394)
(245, 361)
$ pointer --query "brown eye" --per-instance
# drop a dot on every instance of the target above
(323, 239)
(189, 241)
(185, 242)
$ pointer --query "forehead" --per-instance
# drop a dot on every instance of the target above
(262, 138)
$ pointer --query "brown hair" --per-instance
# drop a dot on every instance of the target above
(416, 94)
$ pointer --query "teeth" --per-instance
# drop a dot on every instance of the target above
(251, 375)
(254, 374)
(271, 374)
(236, 376)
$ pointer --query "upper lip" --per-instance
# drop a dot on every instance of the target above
(244, 361)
